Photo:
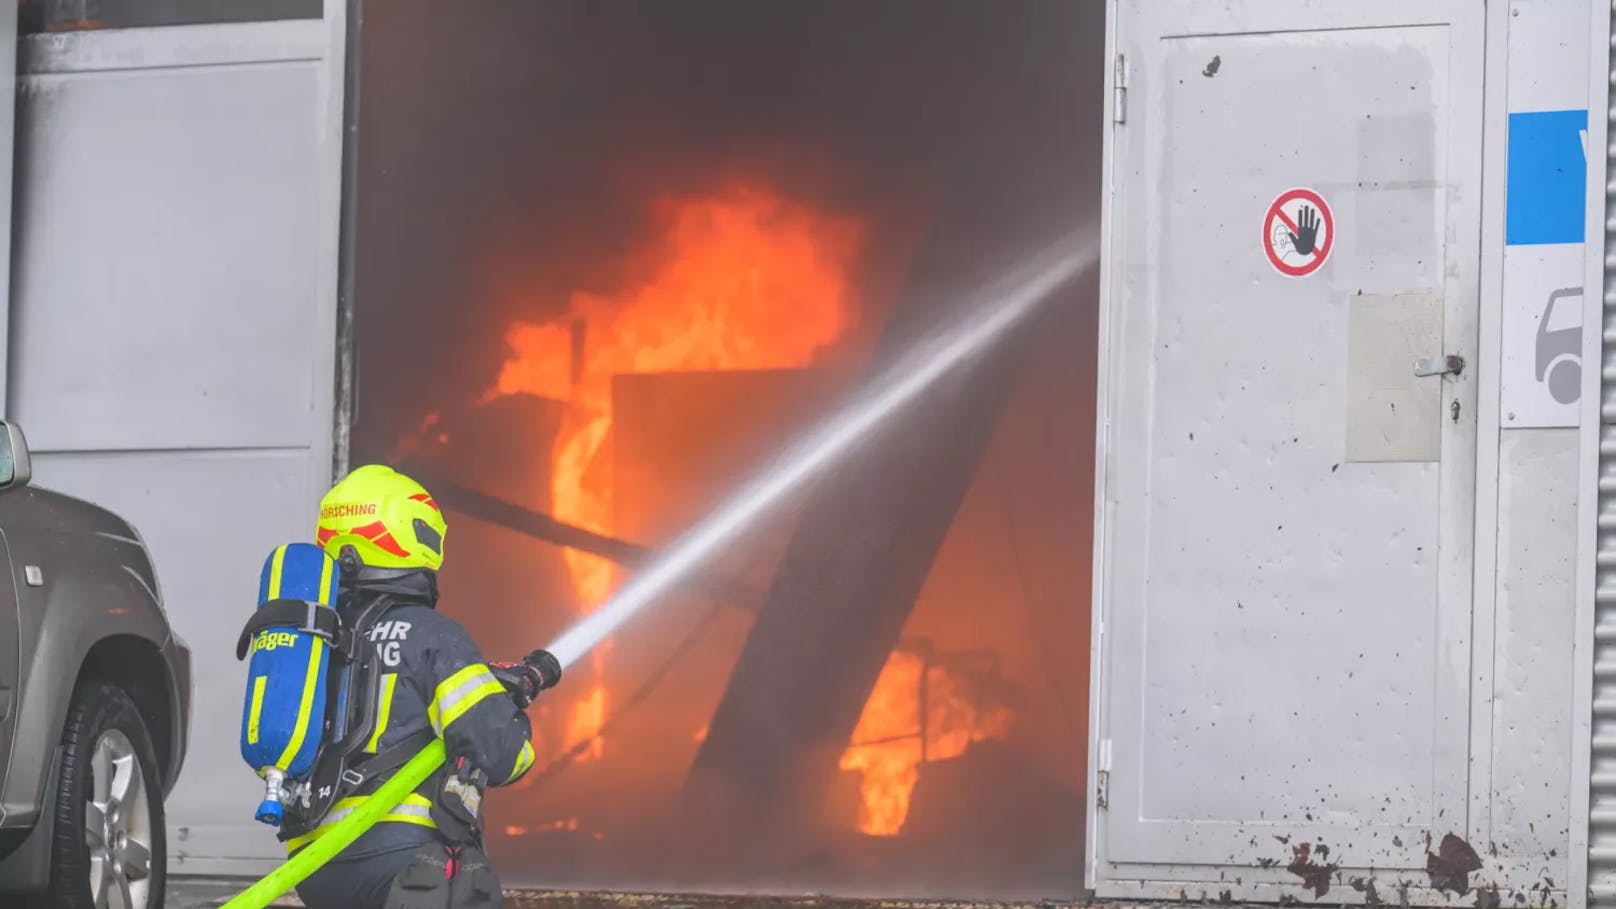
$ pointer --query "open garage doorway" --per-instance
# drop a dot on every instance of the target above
(610, 257)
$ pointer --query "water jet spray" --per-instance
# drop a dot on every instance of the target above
(1014, 296)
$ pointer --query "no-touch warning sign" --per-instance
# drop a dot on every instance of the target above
(1298, 232)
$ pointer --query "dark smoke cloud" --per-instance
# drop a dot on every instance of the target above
(507, 149)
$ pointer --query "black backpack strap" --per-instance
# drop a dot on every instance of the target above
(342, 768)
(351, 640)
(306, 615)
(383, 764)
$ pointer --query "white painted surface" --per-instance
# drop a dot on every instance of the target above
(200, 246)
(1548, 71)
(210, 518)
(1393, 413)
(174, 316)
(1531, 719)
(1286, 634)
(1548, 48)
(1542, 361)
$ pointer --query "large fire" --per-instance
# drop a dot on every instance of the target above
(741, 279)
(890, 741)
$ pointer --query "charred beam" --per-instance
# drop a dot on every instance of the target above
(850, 578)
(493, 510)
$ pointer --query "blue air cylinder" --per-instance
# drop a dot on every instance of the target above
(284, 709)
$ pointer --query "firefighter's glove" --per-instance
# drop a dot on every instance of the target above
(458, 809)
(524, 680)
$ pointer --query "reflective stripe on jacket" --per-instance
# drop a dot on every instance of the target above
(415, 809)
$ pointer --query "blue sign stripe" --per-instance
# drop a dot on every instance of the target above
(1546, 195)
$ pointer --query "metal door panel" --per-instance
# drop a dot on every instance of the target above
(1287, 589)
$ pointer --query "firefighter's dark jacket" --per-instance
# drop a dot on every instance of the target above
(434, 677)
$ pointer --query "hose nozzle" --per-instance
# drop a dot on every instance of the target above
(547, 666)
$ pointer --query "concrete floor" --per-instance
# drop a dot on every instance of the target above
(200, 893)
(206, 893)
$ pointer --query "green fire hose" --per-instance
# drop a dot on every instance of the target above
(344, 832)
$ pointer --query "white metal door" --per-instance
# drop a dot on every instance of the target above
(1286, 534)
(173, 345)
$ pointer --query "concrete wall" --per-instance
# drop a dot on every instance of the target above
(172, 328)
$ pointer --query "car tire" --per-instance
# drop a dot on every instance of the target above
(109, 846)
(1565, 380)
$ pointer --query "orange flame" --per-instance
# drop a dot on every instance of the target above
(588, 715)
(570, 823)
(888, 746)
(744, 279)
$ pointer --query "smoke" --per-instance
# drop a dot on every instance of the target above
(1028, 285)
(509, 153)
(515, 168)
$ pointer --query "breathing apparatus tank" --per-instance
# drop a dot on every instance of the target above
(289, 638)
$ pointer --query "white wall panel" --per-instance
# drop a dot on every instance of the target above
(174, 320)
(168, 268)
(209, 518)
(1531, 719)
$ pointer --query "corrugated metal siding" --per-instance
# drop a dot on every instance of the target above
(1602, 802)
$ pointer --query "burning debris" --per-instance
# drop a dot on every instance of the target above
(570, 823)
(891, 741)
(741, 280)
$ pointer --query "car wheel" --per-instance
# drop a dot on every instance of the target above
(1565, 380)
(109, 850)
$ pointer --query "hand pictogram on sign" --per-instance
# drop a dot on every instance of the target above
(1298, 232)
(1307, 231)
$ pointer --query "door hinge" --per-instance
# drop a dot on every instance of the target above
(1119, 91)
(1102, 776)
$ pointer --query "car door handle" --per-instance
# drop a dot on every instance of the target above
(1439, 366)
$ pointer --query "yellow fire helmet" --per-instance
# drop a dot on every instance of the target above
(388, 519)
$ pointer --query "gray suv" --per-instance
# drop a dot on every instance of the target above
(95, 694)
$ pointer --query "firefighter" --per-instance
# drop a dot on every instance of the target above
(388, 534)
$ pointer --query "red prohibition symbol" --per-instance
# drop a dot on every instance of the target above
(1298, 232)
